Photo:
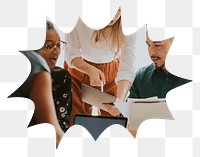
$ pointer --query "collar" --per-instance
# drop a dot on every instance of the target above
(160, 72)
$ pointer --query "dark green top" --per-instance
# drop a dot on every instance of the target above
(151, 82)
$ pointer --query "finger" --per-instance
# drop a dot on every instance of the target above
(95, 81)
(102, 77)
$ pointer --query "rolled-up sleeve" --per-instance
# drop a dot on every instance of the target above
(127, 58)
(73, 47)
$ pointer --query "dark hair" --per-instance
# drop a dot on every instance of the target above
(50, 25)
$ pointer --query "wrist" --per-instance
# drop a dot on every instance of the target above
(89, 70)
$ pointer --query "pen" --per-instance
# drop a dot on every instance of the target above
(101, 86)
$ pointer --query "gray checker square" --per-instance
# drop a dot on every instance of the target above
(157, 33)
(65, 12)
(196, 39)
(16, 123)
(36, 147)
(91, 147)
(181, 126)
(152, 147)
(196, 98)
(178, 13)
(13, 13)
(15, 70)
(196, 147)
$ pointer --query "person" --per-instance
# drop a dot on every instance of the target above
(62, 95)
(94, 57)
(155, 79)
(38, 85)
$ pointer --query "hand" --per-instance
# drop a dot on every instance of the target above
(96, 76)
(112, 109)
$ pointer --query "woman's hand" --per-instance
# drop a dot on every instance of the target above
(112, 109)
(96, 76)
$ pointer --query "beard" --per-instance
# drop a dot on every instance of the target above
(159, 66)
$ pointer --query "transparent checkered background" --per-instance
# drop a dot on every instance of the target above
(22, 26)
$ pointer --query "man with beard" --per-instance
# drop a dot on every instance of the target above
(154, 79)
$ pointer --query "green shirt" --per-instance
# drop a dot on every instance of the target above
(151, 82)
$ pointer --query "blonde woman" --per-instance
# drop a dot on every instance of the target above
(96, 56)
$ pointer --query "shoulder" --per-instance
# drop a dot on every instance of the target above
(144, 70)
(180, 81)
(38, 63)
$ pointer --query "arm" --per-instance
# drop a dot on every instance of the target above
(74, 59)
(123, 87)
(41, 94)
(95, 75)
(126, 72)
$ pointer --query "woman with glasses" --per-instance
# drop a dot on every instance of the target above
(38, 86)
(96, 57)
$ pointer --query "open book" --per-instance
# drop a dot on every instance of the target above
(139, 110)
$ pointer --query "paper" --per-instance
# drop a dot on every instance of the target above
(144, 109)
(148, 100)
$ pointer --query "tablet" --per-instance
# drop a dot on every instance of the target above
(95, 97)
(97, 124)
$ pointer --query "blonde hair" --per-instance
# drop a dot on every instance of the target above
(112, 36)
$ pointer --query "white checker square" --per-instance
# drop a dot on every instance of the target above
(130, 145)
(38, 11)
(148, 14)
(152, 128)
(178, 147)
(182, 44)
(13, 147)
(11, 35)
(44, 130)
(180, 98)
(93, 10)
(70, 147)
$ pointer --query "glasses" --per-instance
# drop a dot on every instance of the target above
(51, 47)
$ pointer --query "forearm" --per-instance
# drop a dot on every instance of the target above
(43, 100)
(82, 66)
(123, 87)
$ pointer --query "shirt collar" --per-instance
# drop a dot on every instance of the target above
(160, 72)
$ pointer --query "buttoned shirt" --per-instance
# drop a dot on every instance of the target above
(79, 45)
(150, 82)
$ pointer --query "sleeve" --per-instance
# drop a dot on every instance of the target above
(127, 59)
(134, 91)
(38, 63)
(73, 48)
